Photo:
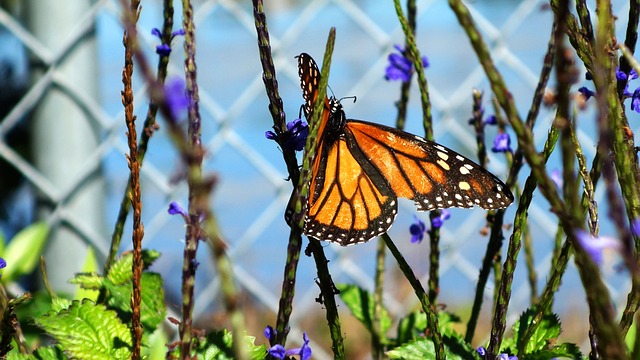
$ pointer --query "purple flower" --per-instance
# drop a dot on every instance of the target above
(490, 120)
(400, 67)
(635, 227)
(165, 49)
(294, 138)
(270, 333)
(438, 221)
(483, 352)
(3, 263)
(175, 95)
(175, 209)
(417, 230)
(586, 93)
(279, 352)
(635, 100)
(595, 245)
(501, 143)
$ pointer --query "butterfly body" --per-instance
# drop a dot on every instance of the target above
(361, 168)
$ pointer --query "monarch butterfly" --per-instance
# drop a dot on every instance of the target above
(361, 168)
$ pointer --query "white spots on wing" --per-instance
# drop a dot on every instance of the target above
(463, 185)
(464, 170)
(443, 156)
(443, 164)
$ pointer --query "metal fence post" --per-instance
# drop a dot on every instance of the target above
(63, 136)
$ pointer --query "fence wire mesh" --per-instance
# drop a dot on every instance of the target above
(252, 191)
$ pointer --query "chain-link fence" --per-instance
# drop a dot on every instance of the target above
(62, 62)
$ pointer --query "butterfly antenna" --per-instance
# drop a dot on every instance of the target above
(349, 97)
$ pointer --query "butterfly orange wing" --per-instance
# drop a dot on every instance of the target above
(347, 204)
(430, 174)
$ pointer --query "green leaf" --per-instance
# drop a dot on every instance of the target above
(361, 304)
(90, 266)
(1, 243)
(88, 331)
(157, 345)
(91, 281)
(23, 252)
(50, 353)
(120, 272)
(152, 307)
(42, 353)
(567, 350)
(411, 327)
(455, 349)
(217, 346)
(631, 337)
(414, 325)
(60, 303)
(546, 332)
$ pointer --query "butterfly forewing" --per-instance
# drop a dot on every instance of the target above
(432, 175)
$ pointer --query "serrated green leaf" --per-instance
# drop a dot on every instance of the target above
(120, 272)
(88, 331)
(420, 349)
(361, 304)
(60, 303)
(91, 281)
(152, 307)
(23, 252)
(546, 332)
(566, 350)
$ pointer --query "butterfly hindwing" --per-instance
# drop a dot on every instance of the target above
(349, 203)
(432, 175)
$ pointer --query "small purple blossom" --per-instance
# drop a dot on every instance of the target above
(175, 95)
(595, 245)
(586, 93)
(417, 230)
(438, 221)
(3, 263)
(294, 138)
(279, 352)
(483, 352)
(270, 333)
(165, 49)
(175, 209)
(490, 120)
(635, 100)
(635, 227)
(400, 67)
(501, 143)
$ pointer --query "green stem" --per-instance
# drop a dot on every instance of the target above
(427, 307)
